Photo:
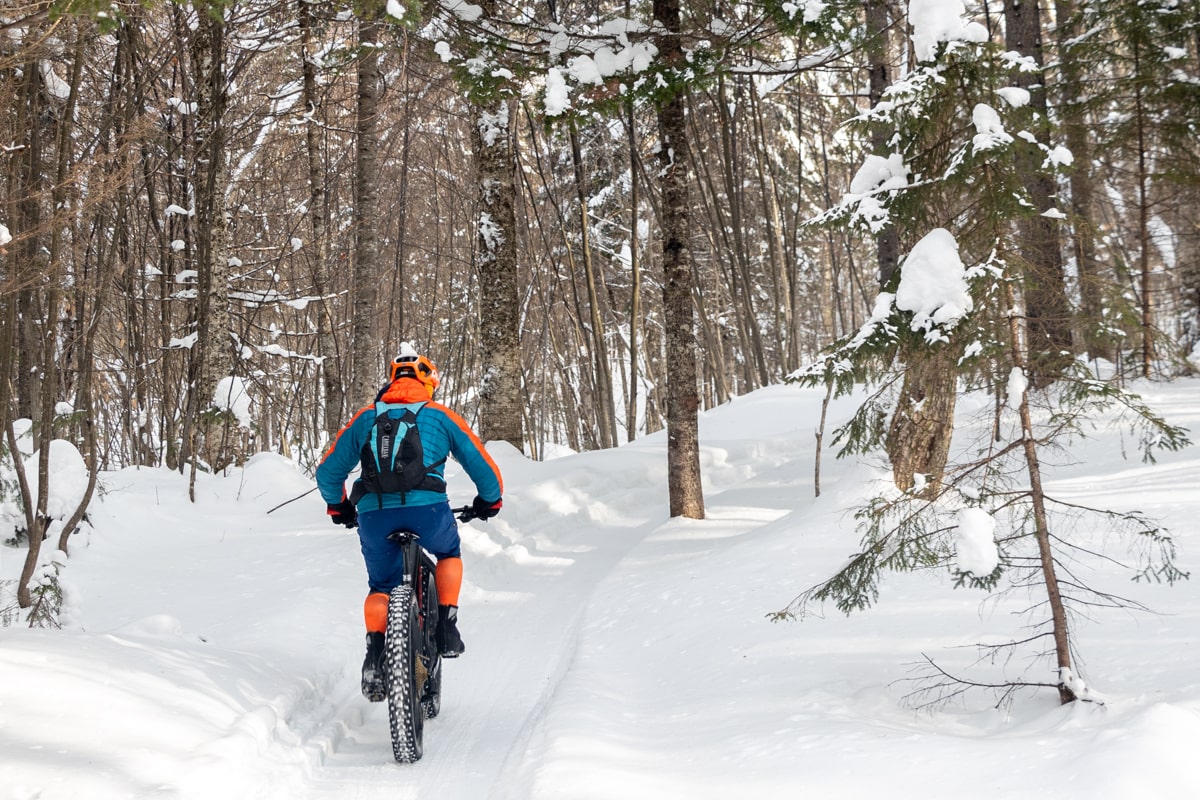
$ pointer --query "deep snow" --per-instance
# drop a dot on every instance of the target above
(212, 650)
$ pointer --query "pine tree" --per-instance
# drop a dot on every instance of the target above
(958, 165)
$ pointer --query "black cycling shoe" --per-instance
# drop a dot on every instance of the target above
(373, 686)
(449, 642)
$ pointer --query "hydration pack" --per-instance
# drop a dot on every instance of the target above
(393, 459)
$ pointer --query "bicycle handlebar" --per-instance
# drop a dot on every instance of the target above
(465, 513)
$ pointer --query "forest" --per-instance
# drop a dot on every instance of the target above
(598, 219)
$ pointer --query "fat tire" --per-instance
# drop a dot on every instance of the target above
(432, 697)
(406, 715)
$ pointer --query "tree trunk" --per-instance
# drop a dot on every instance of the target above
(366, 373)
(492, 140)
(1058, 613)
(213, 352)
(605, 399)
(635, 268)
(1145, 286)
(887, 241)
(1044, 283)
(1077, 132)
(327, 345)
(918, 439)
(734, 181)
(683, 400)
(781, 281)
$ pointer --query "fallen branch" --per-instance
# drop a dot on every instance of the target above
(294, 499)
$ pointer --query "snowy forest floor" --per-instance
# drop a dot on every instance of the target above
(212, 650)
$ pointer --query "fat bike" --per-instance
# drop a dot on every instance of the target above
(412, 659)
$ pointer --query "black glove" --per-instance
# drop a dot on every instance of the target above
(343, 513)
(485, 509)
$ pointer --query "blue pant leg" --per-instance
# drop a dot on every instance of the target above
(440, 535)
(384, 558)
(434, 524)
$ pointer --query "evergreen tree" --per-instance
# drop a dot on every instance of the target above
(955, 312)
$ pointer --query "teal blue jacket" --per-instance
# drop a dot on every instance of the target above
(443, 433)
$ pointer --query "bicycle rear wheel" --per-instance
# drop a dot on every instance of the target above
(432, 694)
(404, 681)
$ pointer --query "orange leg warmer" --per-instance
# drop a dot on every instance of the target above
(375, 612)
(449, 581)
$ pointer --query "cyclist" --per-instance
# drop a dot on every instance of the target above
(425, 510)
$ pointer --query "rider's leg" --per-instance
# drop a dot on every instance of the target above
(449, 581)
(449, 576)
(375, 609)
(385, 570)
(375, 615)
(443, 541)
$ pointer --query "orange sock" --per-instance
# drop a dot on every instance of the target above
(375, 612)
(449, 581)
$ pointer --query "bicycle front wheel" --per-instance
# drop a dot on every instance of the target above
(404, 681)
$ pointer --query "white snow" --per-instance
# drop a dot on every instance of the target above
(5, 235)
(975, 545)
(395, 10)
(212, 650)
(990, 128)
(875, 177)
(933, 284)
(1059, 156)
(879, 174)
(937, 21)
(558, 98)
(1017, 384)
(809, 9)
(1014, 96)
(233, 394)
(493, 126)
(467, 12)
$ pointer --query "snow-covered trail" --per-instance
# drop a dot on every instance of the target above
(533, 586)
(212, 650)
(528, 587)
(277, 598)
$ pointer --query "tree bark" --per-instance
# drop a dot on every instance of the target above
(1142, 173)
(366, 373)
(1058, 613)
(318, 213)
(1077, 132)
(635, 268)
(887, 241)
(918, 439)
(213, 352)
(605, 398)
(493, 143)
(683, 400)
(1044, 282)
(492, 140)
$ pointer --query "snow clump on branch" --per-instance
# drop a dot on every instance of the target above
(233, 395)
(975, 548)
(933, 285)
(937, 21)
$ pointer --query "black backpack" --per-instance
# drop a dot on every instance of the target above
(393, 459)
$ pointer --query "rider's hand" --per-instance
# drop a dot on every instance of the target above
(485, 509)
(343, 513)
